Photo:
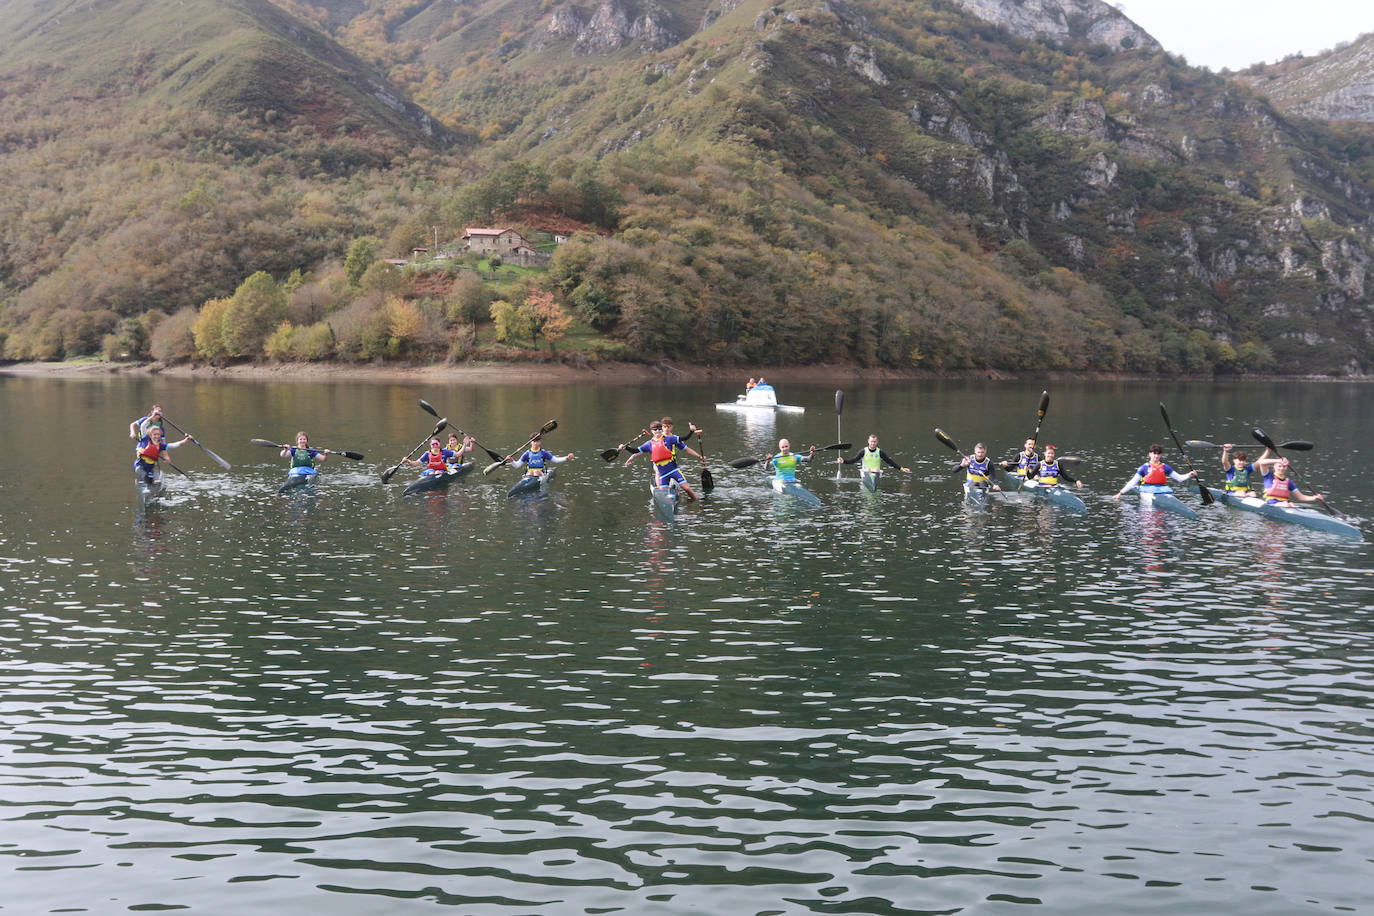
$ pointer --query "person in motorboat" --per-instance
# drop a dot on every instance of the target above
(139, 428)
(1153, 473)
(662, 449)
(1239, 471)
(148, 453)
(303, 457)
(1049, 472)
(872, 458)
(537, 459)
(784, 463)
(1279, 488)
(979, 468)
(1026, 462)
(750, 384)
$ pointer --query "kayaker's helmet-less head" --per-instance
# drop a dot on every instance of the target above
(536, 438)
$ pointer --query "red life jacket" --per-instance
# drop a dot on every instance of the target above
(1155, 475)
(660, 453)
(149, 453)
(1282, 488)
(436, 462)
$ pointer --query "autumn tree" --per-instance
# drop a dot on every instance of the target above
(548, 319)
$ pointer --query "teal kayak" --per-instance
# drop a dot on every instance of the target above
(296, 479)
(975, 495)
(149, 488)
(795, 490)
(1162, 497)
(1055, 495)
(1294, 515)
(871, 480)
(427, 483)
(532, 483)
(665, 500)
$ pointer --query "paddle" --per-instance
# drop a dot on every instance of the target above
(1268, 443)
(1207, 499)
(429, 409)
(610, 453)
(1040, 415)
(265, 443)
(438, 428)
(741, 463)
(546, 428)
(708, 483)
(958, 465)
(213, 457)
(839, 409)
(1297, 445)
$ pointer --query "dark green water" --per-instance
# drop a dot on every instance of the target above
(351, 703)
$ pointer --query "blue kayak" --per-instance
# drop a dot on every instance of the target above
(297, 478)
(531, 483)
(430, 481)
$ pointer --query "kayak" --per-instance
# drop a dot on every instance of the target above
(1055, 494)
(871, 480)
(297, 478)
(975, 495)
(532, 484)
(428, 482)
(1162, 497)
(665, 500)
(148, 490)
(795, 490)
(1296, 515)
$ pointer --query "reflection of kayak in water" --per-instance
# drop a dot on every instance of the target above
(760, 397)
(532, 483)
(297, 478)
(438, 480)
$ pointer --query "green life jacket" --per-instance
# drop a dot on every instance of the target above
(872, 460)
(300, 458)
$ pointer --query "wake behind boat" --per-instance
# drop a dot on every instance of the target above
(1295, 515)
(760, 397)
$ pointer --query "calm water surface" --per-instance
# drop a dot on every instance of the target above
(351, 703)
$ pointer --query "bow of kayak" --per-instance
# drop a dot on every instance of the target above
(1164, 498)
(796, 491)
(532, 483)
(427, 483)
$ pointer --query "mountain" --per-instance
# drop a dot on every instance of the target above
(1335, 86)
(1010, 184)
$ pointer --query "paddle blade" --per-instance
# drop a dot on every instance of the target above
(548, 427)
(215, 458)
(356, 456)
(1206, 494)
(708, 483)
(390, 473)
(265, 443)
(494, 456)
(744, 462)
(1297, 445)
(940, 434)
(1200, 443)
(493, 466)
(429, 408)
(839, 402)
(1263, 439)
(609, 454)
(837, 447)
(1165, 413)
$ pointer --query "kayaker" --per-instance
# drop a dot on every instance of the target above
(435, 460)
(785, 463)
(1048, 472)
(1154, 472)
(979, 467)
(1026, 462)
(1279, 488)
(536, 458)
(456, 449)
(1239, 471)
(148, 454)
(662, 449)
(303, 457)
(872, 458)
(139, 428)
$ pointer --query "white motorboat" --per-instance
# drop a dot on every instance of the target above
(760, 397)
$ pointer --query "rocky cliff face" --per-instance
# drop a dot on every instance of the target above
(615, 24)
(1336, 86)
(1063, 20)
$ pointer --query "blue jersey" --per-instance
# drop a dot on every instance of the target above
(537, 459)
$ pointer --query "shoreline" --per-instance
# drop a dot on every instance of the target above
(601, 374)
